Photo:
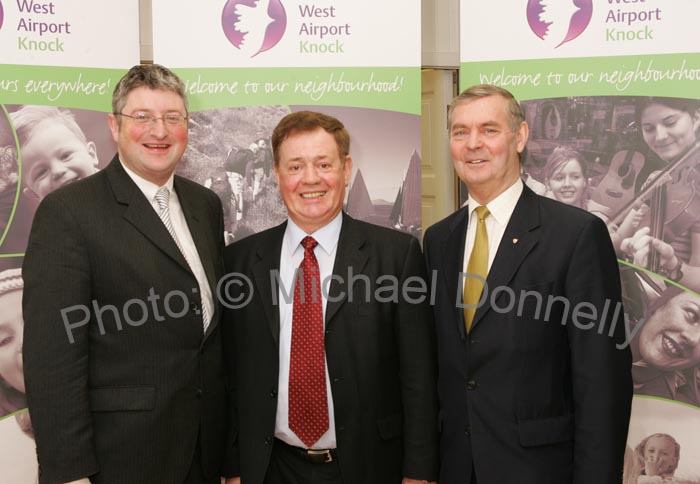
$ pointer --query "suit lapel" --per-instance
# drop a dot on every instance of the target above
(519, 238)
(139, 212)
(350, 254)
(453, 263)
(264, 268)
(195, 212)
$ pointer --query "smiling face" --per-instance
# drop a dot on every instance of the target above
(11, 338)
(152, 151)
(567, 184)
(312, 178)
(670, 339)
(53, 156)
(669, 132)
(485, 150)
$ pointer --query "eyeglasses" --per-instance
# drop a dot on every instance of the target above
(171, 119)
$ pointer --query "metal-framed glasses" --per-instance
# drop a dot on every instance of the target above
(146, 119)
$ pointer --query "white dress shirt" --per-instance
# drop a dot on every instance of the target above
(500, 210)
(290, 259)
(182, 231)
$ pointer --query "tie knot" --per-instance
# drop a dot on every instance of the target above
(482, 212)
(163, 197)
(309, 243)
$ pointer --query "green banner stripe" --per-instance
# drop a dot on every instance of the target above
(19, 181)
(388, 88)
(70, 87)
(648, 75)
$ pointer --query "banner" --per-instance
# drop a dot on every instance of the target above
(248, 63)
(611, 94)
(59, 62)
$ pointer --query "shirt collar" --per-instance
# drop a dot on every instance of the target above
(501, 207)
(327, 236)
(148, 188)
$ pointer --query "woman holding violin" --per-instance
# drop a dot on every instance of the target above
(669, 242)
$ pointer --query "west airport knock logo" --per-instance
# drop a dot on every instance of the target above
(254, 26)
(559, 21)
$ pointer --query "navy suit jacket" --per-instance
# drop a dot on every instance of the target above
(380, 358)
(528, 396)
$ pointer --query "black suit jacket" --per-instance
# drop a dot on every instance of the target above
(380, 357)
(126, 400)
(528, 397)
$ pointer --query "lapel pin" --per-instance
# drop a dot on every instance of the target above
(515, 241)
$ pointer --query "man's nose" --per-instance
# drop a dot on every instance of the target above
(474, 139)
(310, 174)
(158, 128)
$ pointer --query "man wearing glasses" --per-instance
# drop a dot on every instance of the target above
(122, 345)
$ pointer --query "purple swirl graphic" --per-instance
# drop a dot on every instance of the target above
(578, 22)
(2, 15)
(580, 19)
(230, 18)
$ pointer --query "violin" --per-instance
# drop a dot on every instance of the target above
(674, 201)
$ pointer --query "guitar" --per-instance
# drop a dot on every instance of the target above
(616, 189)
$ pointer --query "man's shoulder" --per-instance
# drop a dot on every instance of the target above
(559, 213)
(374, 232)
(192, 187)
(89, 188)
(244, 247)
(447, 224)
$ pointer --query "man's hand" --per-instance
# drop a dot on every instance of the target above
(84, 480)
(233, 480)
(408, 480)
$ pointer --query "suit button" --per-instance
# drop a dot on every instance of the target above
(268, 440)
(273, 393)
(198, 393)
(194, 307)
(474, 341)
(468, 430)
(471, 385)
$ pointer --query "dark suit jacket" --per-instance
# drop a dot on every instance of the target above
(126, 401)
(528, 397)
(380, 357)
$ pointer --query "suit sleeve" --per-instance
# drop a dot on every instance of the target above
(56, 307)
(416, 335)
(600, 371)
(231, 460)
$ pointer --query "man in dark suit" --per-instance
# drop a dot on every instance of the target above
(122, 344)
(333, 377)
(532, 387)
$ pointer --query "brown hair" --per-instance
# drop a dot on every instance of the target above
(307, 121)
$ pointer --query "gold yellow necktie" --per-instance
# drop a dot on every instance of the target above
(478, 265)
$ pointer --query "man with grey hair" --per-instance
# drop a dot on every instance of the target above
(530, 392)
(122, 341)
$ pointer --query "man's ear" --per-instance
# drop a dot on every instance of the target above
(113, 127)
(521, 135)
(347, 169)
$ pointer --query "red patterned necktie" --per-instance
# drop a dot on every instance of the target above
(308, 404)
